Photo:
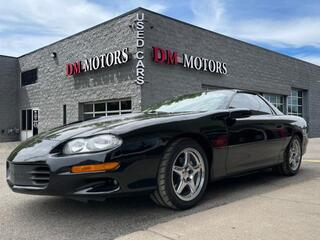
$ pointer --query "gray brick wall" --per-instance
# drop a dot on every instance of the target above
(54, 88)
(9, 115)
(249, 67)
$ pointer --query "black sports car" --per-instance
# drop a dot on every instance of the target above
(170, 151)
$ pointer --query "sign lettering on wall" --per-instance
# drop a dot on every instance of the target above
(97, 62)
(140, 46)
(165, 56)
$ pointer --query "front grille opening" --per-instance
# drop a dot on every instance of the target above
(106, 185)
(40, 176)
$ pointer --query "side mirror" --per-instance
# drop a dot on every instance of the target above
(240, 113)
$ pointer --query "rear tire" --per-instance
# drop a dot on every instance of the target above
(182, 176)
(292, 158)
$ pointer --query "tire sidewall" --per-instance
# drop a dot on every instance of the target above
(172, 195)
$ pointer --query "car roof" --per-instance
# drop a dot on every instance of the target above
(247, 91)
(236, 91)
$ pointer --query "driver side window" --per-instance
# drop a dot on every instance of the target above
(252, 102)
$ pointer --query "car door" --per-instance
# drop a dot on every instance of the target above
(252, 140)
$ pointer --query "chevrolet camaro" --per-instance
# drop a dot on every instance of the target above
(170, 151)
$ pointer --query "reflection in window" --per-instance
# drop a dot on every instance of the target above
(276, 100)
(106, 108)
(196, 102)
(250, 101)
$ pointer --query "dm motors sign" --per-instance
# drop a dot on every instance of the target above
(164, 56)
(97, 62)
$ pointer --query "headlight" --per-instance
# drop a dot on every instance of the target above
(94, 144)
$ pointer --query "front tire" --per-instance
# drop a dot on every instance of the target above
(293, 157)
(183, 175)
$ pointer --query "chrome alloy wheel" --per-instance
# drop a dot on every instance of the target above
(188, 174)
(294, 155)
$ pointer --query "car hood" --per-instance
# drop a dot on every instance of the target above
(114, 125)
(40, 145)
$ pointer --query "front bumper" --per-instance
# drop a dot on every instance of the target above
(52, 176)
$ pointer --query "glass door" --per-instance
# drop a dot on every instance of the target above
(29, 123)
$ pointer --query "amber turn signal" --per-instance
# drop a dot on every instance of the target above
(95, 167)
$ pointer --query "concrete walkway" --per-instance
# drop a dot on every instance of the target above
(290, 212)
(313, 150)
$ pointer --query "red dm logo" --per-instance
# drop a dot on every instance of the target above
(73, 69)
(160, 56)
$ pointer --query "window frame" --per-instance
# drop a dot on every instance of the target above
(106, 112)
(296, 105)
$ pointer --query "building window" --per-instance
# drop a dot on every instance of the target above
(29, 77)
(276, 100)
(106, 108)
(295, 103)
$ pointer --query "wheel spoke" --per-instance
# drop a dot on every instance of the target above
(181, 186)
(192, 186)
(178, 170)
(291, 153)
(186, 159)
(291, 159)
(196, 173)
(298, 157)
(193, 167)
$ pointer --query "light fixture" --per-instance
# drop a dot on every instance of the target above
(53, 54)
(94, 144)
(95, 167)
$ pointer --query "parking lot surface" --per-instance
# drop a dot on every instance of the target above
(256, 206)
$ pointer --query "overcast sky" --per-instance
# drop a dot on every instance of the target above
(291, 27)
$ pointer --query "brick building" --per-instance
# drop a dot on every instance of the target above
(136, 60)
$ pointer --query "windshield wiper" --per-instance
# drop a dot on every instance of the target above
(156, 112)
(160, 112)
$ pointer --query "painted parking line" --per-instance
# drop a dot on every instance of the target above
(312, 161)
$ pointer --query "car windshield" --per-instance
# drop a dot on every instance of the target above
(197, 102)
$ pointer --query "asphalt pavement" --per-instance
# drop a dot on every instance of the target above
(256, 206)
